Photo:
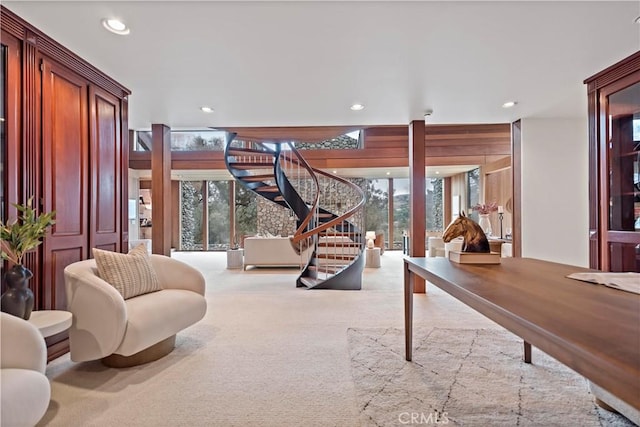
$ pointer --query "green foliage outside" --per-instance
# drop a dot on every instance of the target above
(246, 213)
(376, 208)
(218, 214)
(190, 235)
(218, 221)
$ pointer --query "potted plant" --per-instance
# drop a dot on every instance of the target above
(18, 237)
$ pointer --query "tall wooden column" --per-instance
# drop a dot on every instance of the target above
(161, 189)
(417, 207)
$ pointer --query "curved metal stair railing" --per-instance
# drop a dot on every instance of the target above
(329, 210)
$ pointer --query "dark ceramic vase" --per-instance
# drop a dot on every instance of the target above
(18, 298)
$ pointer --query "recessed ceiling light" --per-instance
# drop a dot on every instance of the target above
(207, 109)
(388, 173)
(437, 172)
(115, 26)
(357, 107)
(509, 104)
(335, 171)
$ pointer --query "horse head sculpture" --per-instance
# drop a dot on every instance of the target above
(474, 238)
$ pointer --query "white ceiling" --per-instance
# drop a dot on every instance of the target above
(304, 63)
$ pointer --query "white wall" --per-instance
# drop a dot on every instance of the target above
(555, 185)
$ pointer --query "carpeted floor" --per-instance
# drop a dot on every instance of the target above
(266, 354)
(466, 377)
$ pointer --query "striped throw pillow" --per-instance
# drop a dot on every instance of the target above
(131, 274)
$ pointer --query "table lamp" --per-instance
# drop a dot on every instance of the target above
(371, 237)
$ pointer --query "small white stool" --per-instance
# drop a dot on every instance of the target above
(372, 258)
(234, 259)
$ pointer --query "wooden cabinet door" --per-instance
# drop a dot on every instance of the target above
(105, 171)
(614, 166)
(65, 160)
(619, 175)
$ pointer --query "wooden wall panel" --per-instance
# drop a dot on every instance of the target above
(30, 162)
(384, 146)
(106, 203)
(65, 173)
(58, 260)
(498, 188)
(48, 127)
(12, 120)
(124, 175)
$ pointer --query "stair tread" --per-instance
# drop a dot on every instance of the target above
(243, 165)
(310, 282)
(337, 256)
(268, 189)
(339, 244)
(325, 268)
(260, 177)
(248, 151)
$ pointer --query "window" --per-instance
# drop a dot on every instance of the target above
(197, 140)
(434, 200)
(377, 206)
(400, 210)
(191, 215)
(473, 193)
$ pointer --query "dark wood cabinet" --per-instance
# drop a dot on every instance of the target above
(614, 160)
(65, 142)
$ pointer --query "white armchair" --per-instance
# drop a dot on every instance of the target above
(24, 389)
(136, 330)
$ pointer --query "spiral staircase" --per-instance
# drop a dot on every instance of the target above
(329, 210)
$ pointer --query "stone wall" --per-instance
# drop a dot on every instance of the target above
(277, 220)
(342, 142)
(274, 219)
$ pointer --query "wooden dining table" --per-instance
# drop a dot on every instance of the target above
(592, 329)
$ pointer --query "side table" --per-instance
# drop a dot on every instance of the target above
(234, 258)
(372, 258)
(51, 322)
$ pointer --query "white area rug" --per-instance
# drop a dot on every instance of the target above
(467, 377)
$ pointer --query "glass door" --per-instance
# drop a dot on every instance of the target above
(622, 176)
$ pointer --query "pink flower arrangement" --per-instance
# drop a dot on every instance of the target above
(484, 209)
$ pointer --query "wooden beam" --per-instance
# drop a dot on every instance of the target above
(417, 208)
(161, 189)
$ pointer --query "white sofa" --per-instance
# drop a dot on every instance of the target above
(136, 330)
(272, 252)
(24, 389)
